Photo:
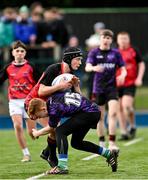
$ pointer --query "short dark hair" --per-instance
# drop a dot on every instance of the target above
(107, 32)
(18, 44)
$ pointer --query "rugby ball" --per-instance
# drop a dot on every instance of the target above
(61, 78)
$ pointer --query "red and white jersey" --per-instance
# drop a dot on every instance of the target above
(21, 79)
(33, 93)
(131, 58)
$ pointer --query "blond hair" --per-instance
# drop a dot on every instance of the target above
(35, 105)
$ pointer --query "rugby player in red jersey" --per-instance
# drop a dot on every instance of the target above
(135, 71)
(70, 62)
(22, 76)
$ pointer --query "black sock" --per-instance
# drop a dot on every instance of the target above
(102, 138)
(46, 151)
(51, 148)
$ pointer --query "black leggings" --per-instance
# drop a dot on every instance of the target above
(78, 126)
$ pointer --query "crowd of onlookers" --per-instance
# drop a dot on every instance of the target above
(33, 26)
(40, 26)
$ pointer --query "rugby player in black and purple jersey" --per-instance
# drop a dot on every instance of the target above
(82, 115)
(104, 61)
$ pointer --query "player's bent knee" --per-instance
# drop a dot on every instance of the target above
(18, 127)
(113, 115)
(128, 109)
(75, 144)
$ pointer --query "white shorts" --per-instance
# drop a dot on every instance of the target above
(16, 106)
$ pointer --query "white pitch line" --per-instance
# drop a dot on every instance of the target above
(126, 144)
(90, 157)
(36, 177)
(133, 141)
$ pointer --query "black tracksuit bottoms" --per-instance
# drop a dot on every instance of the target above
(78, 126)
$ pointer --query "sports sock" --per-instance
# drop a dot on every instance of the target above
(51, 148)
(102, 141)
(132, 126)
(104, 152)
(25, 151)
(63, 161)
(112, 138)
(123, 131)
(102, 138)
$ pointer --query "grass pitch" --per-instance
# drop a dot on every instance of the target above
(133, 160)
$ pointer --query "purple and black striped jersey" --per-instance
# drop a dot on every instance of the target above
(110, 60)
(62, 104)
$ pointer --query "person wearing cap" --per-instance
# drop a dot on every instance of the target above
(71, 61)
(104, 61)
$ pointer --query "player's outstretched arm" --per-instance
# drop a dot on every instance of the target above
(46, 130)
(90, 68)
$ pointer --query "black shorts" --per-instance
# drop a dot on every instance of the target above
(82, 120)
(130, 90)
(103, 98)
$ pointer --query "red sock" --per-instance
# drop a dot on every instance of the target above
(112, 137)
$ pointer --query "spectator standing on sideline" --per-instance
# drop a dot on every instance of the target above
(53, 30)
(24, 30)
(93, 42)
(73, 41)
(6, 27)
